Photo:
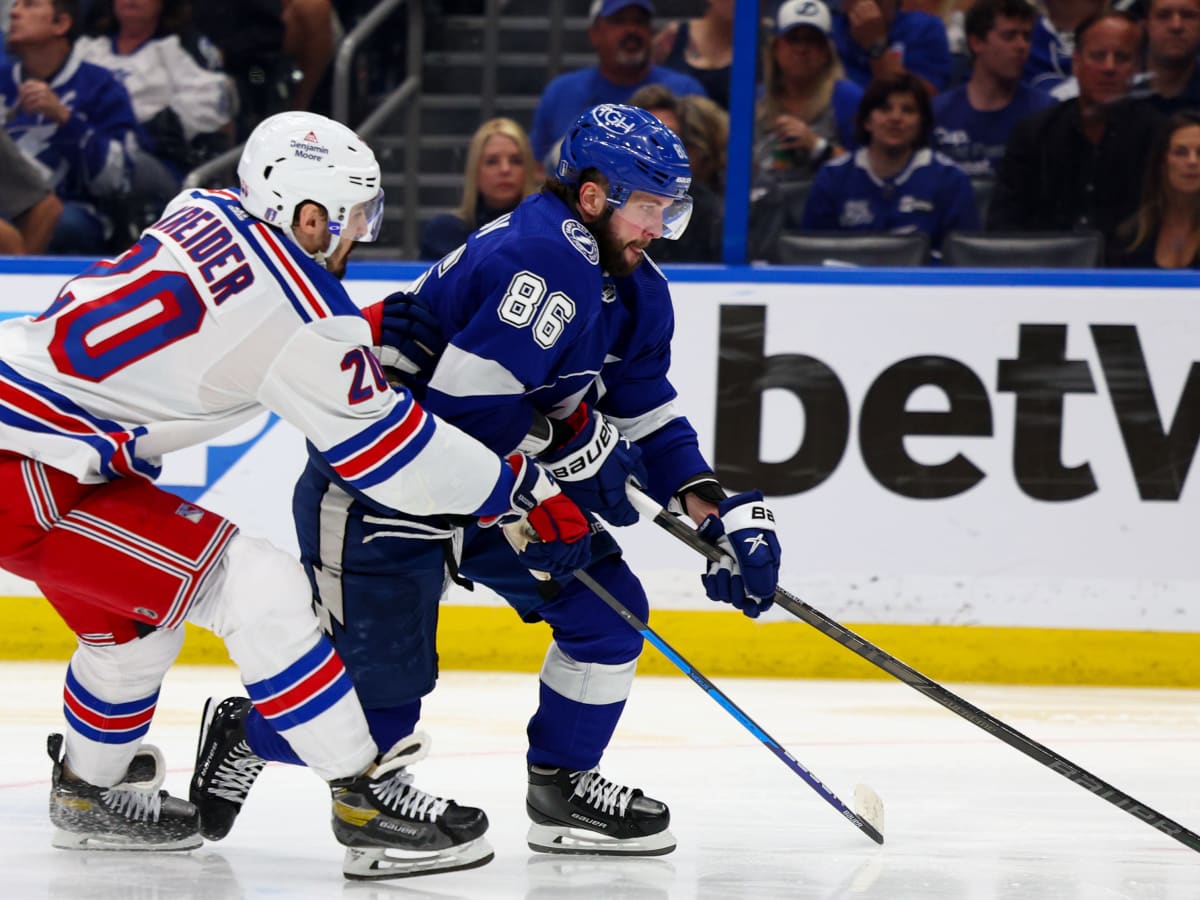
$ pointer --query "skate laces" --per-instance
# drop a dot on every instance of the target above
(602, 794)
(236, 774)
(392, 784)
(396, 792)
(133, 803)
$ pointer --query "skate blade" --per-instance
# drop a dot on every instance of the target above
(377, 863)
(67, 840)
(560, 839)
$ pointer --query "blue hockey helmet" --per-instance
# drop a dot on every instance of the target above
(634, 151)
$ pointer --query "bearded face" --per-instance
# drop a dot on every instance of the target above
(620, 248)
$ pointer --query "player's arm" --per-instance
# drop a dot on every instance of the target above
(641, 402)
(380, 443)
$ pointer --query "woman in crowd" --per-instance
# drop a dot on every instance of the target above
(184, 109)
(805, 115)
(1164, 233)
(894, 181)
(702, 48)
(499, 175)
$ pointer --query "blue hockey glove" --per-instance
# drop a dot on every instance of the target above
(410, 337)
(555, 534)
(594, 464)
(746, 576)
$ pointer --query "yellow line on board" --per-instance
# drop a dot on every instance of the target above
(725, 644)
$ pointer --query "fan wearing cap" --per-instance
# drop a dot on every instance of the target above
(877, 38)
(805, 116)
(620, 33)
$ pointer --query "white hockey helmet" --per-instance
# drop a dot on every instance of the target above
(294, 157)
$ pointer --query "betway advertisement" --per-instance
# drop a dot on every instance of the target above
(953, 450)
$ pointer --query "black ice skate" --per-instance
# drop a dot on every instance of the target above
(225, 766)
(133, 815)
(393, 830)
(583, 812)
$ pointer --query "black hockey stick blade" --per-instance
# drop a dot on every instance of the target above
(930, 688)
(867, 815)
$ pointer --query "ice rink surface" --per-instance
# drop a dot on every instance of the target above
(967, 817)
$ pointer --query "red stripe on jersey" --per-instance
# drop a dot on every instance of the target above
(104, 722)
(285, 260)
(391, 441)
(34, 406)
(326, 674)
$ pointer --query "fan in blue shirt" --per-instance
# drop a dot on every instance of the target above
(620, 33)
(894, 182)
(972, 122)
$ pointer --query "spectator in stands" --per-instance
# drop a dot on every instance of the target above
(499, 175)
(894, 181)
(1164, 233)
(1053, 41)
(1079, 164)
(249, 37)
(703, 128)
(308, 41)
(72, 117)
(805, 115)
(876, 39)
(953, 15)
(702, 48)
(185, 110)
(29, 209)
(1172, 44)
(971, 123)
(620, 34)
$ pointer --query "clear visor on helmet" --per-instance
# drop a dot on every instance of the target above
(661, 216)
(362, 222)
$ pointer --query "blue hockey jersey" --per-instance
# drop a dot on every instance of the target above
(535, 327)
(1050, 53)
(930, 194)
(89, 155)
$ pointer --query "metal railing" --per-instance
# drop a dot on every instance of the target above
(407, 92)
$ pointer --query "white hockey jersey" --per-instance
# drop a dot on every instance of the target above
(209, 318)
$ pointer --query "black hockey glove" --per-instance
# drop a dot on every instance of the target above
(410, 337)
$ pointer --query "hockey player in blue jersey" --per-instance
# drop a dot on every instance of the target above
(549, 330)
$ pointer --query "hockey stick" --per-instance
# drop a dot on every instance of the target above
(867, 816)
(930, 688)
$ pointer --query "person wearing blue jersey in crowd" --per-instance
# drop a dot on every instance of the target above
(894, 181)
(620, 33)
(1052, 48)
(971, 122)
(71, 117)
(805, 115)
(549, 330)
(876, 38)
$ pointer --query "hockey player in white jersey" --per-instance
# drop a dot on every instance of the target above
(224, 308)
(548, 330)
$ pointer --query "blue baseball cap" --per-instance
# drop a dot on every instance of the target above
(608, 8)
